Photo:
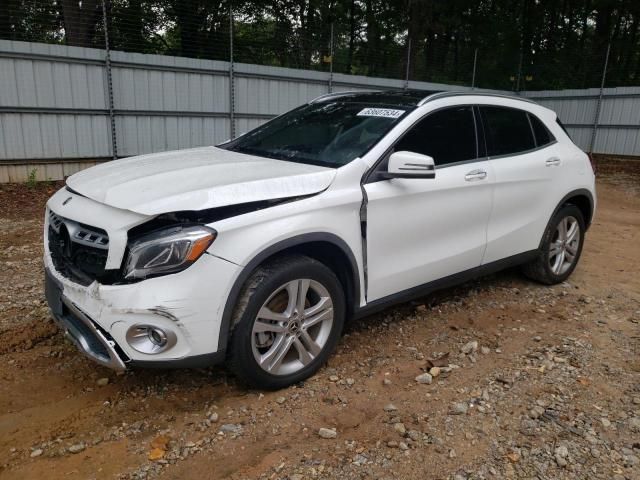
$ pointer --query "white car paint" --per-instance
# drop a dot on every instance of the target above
(196, 179)
(117, 222)
(441, 234)
(417, 230)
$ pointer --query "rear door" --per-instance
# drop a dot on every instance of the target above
(420, 230)
(527, 161)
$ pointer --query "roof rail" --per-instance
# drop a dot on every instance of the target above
(454, 93)
(327, 96)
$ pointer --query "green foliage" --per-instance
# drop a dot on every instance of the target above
(530, 44)
(31, 178)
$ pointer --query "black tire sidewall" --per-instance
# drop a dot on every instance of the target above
(282, 272)
(566, 211)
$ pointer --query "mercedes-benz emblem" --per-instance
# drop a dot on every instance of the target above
(66, 201)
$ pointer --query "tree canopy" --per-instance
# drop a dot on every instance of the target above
(518, 44)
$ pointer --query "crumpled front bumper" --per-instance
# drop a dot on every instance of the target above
(90, 339)
(190, 304)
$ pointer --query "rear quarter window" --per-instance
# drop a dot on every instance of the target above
(507, 131)
(542, 134)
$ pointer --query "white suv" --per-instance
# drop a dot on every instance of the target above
(257, 250)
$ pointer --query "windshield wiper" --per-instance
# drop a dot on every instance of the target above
(293, 157)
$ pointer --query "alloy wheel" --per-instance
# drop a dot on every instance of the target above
(292, 327)
(564, 245)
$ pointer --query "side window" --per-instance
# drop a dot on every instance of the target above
(448, 135)
(542, 133)
(507, 131)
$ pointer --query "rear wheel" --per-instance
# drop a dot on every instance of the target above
(561, 247)
(288, 321)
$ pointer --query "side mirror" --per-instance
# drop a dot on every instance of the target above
(410, 165)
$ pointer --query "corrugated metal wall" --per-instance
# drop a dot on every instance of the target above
(54, 103)
(618, 131)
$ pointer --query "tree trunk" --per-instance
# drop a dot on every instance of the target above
(373, 39)
(135, 38)
(188, 18)
(352, 35)
(79, 22)
(5, 20)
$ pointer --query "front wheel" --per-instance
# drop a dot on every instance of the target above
(287, 322)
(561, 247)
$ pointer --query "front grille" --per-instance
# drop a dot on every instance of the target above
(78, 252)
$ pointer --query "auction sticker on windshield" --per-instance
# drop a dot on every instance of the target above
(381, 112)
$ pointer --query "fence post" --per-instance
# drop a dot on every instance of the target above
(596, 120)
(406, 73)
(331, 60)
(107, 60)
(473, 75)
(232, 93)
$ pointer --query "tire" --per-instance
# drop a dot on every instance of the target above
(558, 256)
(270, 334)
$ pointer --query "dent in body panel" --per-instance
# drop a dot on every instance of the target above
(116, 222)
(190, 305)
(197, 179)
(158, 310)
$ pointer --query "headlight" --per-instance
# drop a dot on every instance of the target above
(167, 251)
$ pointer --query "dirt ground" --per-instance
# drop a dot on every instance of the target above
(540, 382)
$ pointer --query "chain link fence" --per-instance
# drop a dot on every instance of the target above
(507, 49)
(165, 74)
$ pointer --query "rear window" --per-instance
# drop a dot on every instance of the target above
(507, 131)
(542, 133)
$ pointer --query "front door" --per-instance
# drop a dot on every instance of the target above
(421, 230)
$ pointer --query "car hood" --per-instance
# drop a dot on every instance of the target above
(196, 179)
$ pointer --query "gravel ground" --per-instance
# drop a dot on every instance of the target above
(498, 378)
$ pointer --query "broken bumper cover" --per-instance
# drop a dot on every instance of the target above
(190, 304)
(81, 330)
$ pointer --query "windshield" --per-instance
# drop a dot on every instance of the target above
(329, 134)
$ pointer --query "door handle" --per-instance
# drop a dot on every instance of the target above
(474, 175)
(552, 162)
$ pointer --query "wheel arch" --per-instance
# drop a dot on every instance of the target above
(584, 201)
(324, 247)
(581, 198)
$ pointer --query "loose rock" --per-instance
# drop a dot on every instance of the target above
(327, 433)
(36, 453)
(231, 428)
(400, 428)
(561, 454)
(459, 408)
(470, 347)
(424, 379)
(77, 448)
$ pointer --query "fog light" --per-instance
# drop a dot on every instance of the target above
(157, 336)
(150, 339)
